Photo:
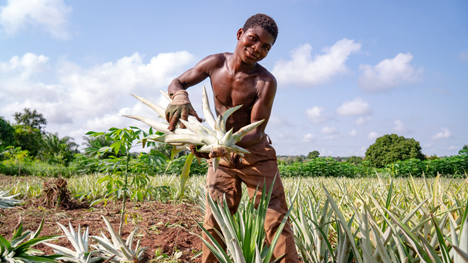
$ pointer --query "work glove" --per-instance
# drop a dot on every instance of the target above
(193, 149)
(179, 108)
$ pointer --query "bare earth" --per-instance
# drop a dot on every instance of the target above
(164, 228)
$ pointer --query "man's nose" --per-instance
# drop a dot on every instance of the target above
(256, 47)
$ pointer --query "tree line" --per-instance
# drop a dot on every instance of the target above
(28, 133)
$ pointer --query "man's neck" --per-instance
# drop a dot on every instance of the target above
(237, 65)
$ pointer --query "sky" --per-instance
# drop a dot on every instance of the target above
(348, 72)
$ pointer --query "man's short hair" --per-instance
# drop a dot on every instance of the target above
(263, 21)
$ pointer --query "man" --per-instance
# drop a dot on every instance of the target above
(238, 79)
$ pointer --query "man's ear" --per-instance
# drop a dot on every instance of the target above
(239, 33)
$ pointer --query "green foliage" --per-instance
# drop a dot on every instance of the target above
(7, 134)
(15, 157)
(195, 168)
(448, 166)
(56, 150)
(244, 232)
(167, 150)
(32, 119)
(391, 148)
(356, 160)
(17, 250)
(28, 138)
(322, 167)
(313, 154)
(464, 150)
(124, 139)
(95, 143)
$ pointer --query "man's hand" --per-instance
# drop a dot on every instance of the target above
(193, 149)
(179, 108)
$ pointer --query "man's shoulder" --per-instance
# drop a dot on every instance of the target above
(216, 60)
(266, 76)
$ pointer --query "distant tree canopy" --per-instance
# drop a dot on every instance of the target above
(391, 148)
(313, 154)
(354, 160)
(7, 133)
(31, 119)
(464, 150)
(58, 150)
(28, 130)
(28, 138)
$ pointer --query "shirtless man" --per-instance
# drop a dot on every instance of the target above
(238, 79)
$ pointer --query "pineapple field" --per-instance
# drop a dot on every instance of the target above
(379, 219)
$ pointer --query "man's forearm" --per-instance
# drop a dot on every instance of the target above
(251, 139)
(175, 86)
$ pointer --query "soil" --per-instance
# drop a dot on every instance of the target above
(166, 229)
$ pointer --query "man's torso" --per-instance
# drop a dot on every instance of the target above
(236, 88)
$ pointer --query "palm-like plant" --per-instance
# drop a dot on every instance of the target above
(58, 150)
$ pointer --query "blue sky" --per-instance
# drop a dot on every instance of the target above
(348, 71)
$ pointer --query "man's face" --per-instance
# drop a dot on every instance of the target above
(254, 44)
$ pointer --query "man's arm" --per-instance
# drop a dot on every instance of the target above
(261, 110)
(189, 78)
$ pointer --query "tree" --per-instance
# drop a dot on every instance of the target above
(28, 138)
(58, 150)
(7, 133)
(31, 119)
(391, 148)
(313, 155)
(464, 150)
(354, 160)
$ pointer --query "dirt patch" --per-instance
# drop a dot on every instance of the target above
(164, 228)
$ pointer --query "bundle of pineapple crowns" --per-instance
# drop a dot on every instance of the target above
(213, 139)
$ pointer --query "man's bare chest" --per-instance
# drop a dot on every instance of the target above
(232, 90)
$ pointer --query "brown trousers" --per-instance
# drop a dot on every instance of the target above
(255, 169)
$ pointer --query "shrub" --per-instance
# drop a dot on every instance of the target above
(391, 148)
(452, 165)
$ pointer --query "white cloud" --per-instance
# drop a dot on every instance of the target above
(309, 137)
(353, 133)
(305, 70)
(362, 120)
(389, 74)
(372, 136)
(451, 148)
(463, 56)
(91, 98)
(356, 107)
(329, 130)
(48, 15)
(315, 115)
(445, 133)
(400, 127)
